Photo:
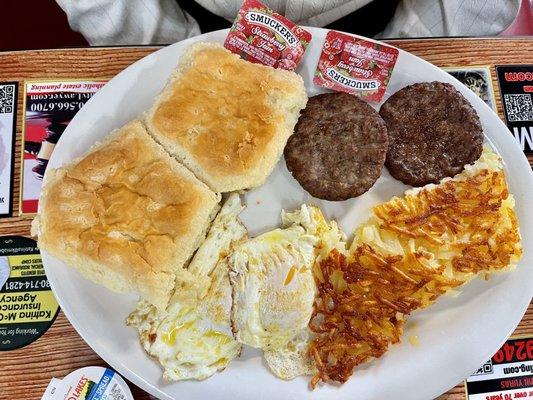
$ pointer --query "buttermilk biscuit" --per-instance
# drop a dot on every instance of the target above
(126, 215)
(226, 119)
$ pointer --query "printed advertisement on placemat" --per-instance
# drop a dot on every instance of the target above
(27, 305)
(507, 375)
(49, 107)
(516, 88)
(477, 79)
(8, 118)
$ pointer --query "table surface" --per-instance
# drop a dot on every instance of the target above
(27, 371)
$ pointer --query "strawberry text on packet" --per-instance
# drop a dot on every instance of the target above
(260, 35)
(356, 66)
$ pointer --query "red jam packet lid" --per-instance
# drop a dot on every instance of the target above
(356, 66)
(262, 36)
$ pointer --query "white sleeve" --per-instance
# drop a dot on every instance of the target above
(302, 12)
(420, 18)
(124, 22)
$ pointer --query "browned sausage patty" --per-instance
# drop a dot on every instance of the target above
(338, 148)
(433, 133)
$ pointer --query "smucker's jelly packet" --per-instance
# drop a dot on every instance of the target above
(262, 36)
(356, 66)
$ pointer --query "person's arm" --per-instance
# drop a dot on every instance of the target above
(420, 18)
(123, 22)
(303, 12)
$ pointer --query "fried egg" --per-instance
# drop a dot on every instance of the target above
(273, 284)
(292, 359)
(192, 338)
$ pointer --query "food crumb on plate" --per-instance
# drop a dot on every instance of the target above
(414, 340)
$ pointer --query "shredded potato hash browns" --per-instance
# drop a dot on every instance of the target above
(413, 250)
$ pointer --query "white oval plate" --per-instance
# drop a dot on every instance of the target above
(456, 335)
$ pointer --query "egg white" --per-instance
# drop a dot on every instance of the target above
(293, 359)
(192, 338)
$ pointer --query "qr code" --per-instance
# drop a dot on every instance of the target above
(6, 98)
(519, 107)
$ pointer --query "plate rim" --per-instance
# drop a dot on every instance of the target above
(138, 380)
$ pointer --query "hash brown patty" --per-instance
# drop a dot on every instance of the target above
(338, 148)
(433, 133)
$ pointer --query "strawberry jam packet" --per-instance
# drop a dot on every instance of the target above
(356, 66)
(262, 36)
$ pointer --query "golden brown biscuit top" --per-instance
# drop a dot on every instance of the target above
(123, 205)
(221, 110)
